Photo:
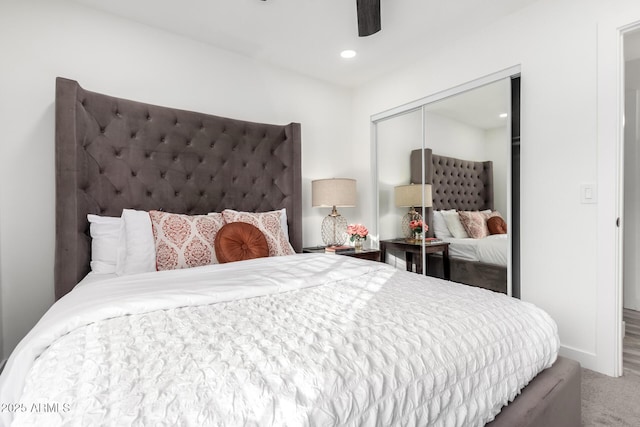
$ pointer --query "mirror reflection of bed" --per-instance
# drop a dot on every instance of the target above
(467, 126)
(463, 203)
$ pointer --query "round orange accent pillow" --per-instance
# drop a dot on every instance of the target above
(238, 241)
(497, 225)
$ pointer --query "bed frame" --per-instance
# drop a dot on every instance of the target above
(114, 153)
(462, 185)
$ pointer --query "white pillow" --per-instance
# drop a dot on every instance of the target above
(105, 236)
(137, 245)
(454, 224)
(440, 228)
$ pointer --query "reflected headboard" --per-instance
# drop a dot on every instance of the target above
(113, 154)
(464, 185)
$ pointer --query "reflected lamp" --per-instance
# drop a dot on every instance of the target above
(410, 196)
(334, 192)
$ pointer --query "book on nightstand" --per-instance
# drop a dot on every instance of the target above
(432, 240)
(338, 249)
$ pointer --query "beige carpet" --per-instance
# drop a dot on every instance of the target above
(608, 401)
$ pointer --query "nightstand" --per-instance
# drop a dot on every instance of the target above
(413, 253)
(370, 254)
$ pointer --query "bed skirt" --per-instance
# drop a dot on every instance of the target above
(474, 273)
(552, 399)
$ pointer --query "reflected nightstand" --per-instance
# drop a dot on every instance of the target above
(413, 253)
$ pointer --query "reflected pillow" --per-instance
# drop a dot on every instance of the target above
(239, 241)
(474, 223)
(497, 225)
(440, 225)
(454, 225)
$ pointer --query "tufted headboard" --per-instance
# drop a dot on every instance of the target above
(113, 153)
(464, 185)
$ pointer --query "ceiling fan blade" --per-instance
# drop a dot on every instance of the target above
(368, 17)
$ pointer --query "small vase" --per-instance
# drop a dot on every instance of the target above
(358, 245)
(417, 237)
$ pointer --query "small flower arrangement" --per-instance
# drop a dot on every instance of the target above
(357, 232)
(418, 226)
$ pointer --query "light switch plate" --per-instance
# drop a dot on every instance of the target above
(588, 193)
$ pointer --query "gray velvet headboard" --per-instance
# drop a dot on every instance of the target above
(113, 153)
(463, 185)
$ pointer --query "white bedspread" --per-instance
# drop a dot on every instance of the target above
(312, 339)
(491, 249)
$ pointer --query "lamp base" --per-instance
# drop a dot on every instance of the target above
(334, 230)
(412, 215)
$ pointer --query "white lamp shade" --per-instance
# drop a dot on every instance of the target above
(333, 192)
(411, 195)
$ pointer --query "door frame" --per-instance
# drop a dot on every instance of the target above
(610, 223)
(623, 31)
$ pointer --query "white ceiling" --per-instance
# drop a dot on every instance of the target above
(480, 107)
(307, 36)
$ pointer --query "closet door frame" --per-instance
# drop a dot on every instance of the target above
(420, 104)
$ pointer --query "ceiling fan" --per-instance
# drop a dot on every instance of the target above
(368, 17)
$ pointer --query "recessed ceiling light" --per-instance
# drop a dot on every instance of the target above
(503, 115)
(348, 53)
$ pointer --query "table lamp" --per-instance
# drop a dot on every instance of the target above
(410, 196)
(334, 192)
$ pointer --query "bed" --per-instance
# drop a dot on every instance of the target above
(296, 339)
(463, 185)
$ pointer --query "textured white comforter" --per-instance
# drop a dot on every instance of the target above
(314, 340)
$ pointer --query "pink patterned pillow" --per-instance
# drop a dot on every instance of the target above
(184, 241)
(475, 223)
(270, 225)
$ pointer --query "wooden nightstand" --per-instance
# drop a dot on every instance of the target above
(413, 253)
(370, 254)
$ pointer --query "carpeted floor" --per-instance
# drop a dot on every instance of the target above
(608, 401)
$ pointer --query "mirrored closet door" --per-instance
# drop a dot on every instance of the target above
(444, 175)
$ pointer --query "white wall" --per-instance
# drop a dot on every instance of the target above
(567, 247)
(449, 137)
(41, 40)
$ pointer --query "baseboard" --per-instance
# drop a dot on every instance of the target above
(586, 359)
